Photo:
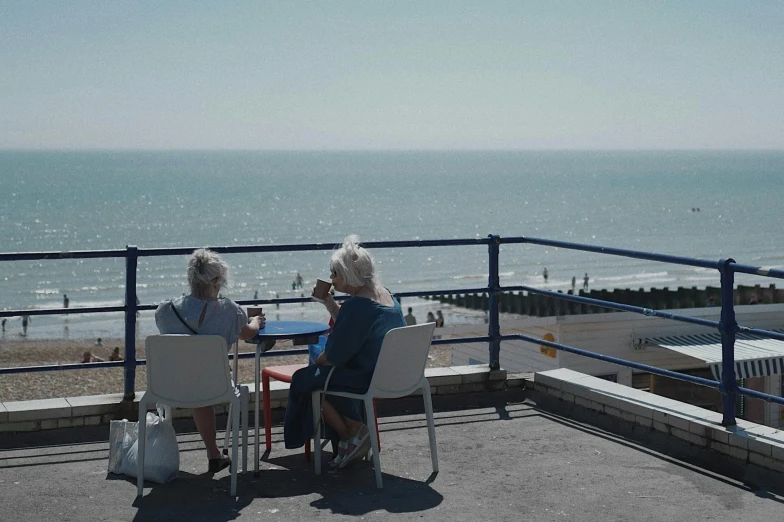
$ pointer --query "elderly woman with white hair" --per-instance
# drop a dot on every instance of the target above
(350, 355)
(203, 313)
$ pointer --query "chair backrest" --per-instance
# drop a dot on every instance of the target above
(188, 370)
(401, 363)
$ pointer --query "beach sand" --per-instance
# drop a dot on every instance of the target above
(89, 381)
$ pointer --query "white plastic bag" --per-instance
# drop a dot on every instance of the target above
(161, 454)
(122, 435)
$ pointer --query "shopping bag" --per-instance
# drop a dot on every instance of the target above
(161, 454)
(122, 435)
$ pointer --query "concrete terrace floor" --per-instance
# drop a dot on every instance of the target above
(499, 460)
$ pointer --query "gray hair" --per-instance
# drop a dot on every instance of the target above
(205, 271)
(354, 263)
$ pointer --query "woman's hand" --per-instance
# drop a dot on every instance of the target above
(313, 296)
(260, 321)
(321, 360)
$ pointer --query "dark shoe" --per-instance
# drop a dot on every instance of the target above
(216, 465)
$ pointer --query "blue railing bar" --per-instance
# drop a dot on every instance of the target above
(154, 252)
(306, 299)
(727, 328)
(618, 306)
(242, 355)
(759, 395)
(74, 254)
(120, 364)
(248, 249)
(282, 300)
(129, 371)
(62, 311)
(614, 360)
(760, 332)
(493, 287)
(56, 367)
(679, 260)
(757, 270)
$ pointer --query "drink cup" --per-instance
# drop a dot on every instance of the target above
(253, 311)
(322, 289)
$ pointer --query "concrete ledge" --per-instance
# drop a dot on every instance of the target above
(46, 414)
(37, 410)
(750, 443)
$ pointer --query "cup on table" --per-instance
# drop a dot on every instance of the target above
(322, 289)
(253, 311)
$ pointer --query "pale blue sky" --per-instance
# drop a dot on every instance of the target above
(392, 75)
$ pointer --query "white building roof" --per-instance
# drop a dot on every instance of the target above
(754, 356)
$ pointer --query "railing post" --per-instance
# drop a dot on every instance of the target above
(131, 259)
(727, 327)
(493, 326)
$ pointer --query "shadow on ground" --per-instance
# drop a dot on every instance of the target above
(344, 492)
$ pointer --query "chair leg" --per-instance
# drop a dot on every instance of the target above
(140, 447)
(265, 387)
(244, 399)
(316, 401)
(431, 425)
(228, 431)
(370, 410)
(235, 442)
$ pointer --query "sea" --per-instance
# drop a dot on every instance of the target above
(703, 204)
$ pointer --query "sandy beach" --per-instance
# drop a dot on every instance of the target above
(89, 381)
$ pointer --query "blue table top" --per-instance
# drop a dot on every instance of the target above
(289, 330)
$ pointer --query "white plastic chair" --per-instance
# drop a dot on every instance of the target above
(190, 371)
(400, 371)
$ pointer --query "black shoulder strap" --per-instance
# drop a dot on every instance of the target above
(182, 320)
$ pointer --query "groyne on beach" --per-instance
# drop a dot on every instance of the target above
(524, 303)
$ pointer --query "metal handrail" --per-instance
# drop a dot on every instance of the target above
(727, 326)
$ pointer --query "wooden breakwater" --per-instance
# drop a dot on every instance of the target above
(523, 303)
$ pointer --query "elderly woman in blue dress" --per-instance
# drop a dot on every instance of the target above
(203, 313)
(350, 354)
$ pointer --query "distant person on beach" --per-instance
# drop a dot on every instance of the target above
(256, 294)
(430, 318)
(115, 355)
(25, 321)
(585, 281)
(277, 296)
(66, 301)
(204, 313)
(98, 342)
(439, 319)
(4, 321)
(299, 280)
(88, 357)
(574, 283)
(545, 274)
(349, 357)
(410, 319)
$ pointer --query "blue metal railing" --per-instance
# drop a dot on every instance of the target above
(727, 326)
